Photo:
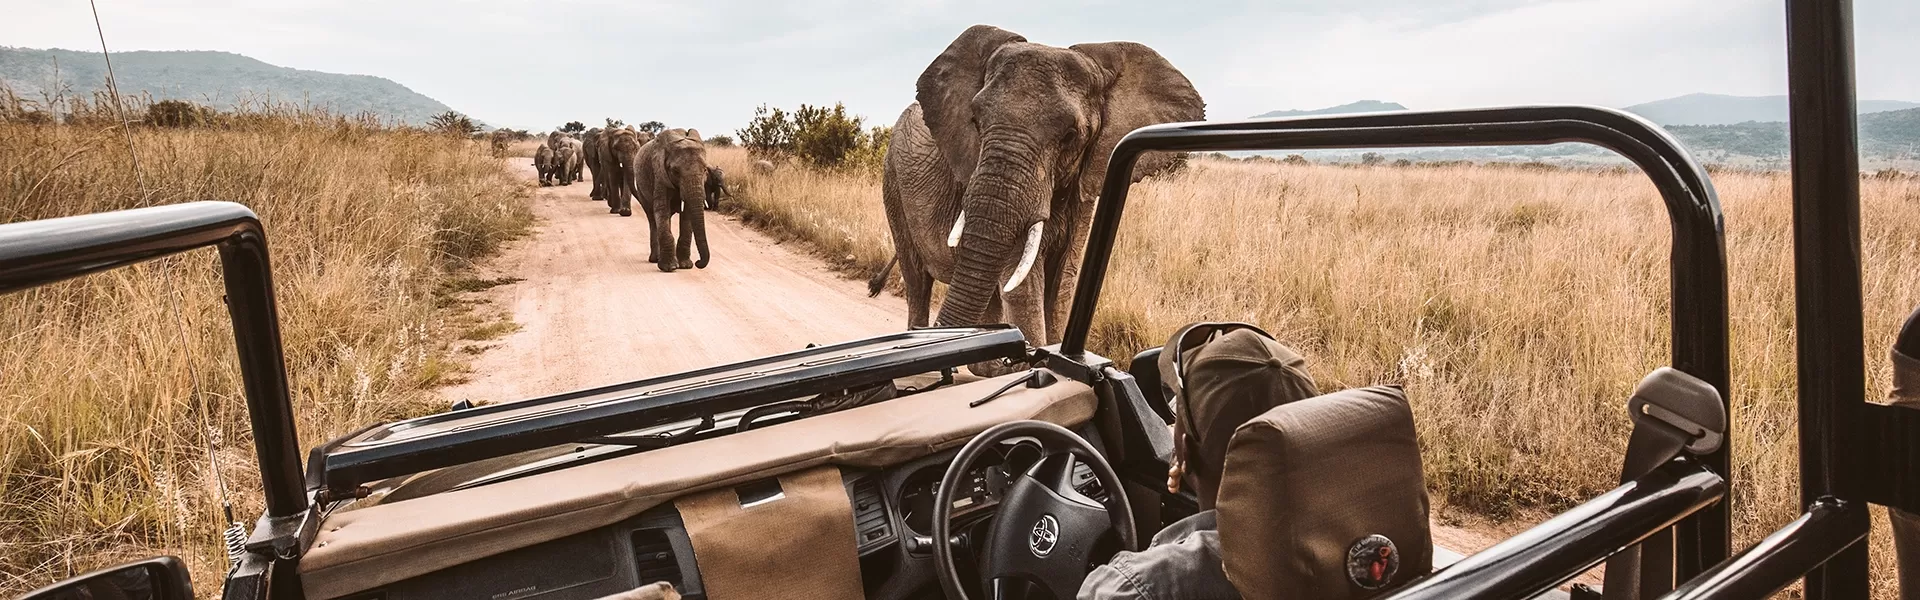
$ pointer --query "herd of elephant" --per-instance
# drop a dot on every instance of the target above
(990, 178)
(666, 172)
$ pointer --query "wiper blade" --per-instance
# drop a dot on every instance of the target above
(658, 440)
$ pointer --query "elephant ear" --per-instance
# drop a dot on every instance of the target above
(1144, 89)
(946, 89)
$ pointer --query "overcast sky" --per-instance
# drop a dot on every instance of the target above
(708, 63)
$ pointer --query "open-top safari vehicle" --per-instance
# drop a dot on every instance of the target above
(868, 469)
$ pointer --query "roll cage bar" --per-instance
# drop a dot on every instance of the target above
(1852, 452)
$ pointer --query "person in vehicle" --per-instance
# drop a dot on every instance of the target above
(1220, 375)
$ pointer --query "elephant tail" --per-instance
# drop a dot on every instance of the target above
(879, 281)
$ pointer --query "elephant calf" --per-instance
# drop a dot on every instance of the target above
(566, 161)
(716, 187)
(543, 162)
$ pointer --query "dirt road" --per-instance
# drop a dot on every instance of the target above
(592, 310)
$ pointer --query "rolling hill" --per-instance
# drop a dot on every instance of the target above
(1351, 107)
(1718, 109)
(218, 79)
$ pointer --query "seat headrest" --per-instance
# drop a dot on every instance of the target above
(1324, 498)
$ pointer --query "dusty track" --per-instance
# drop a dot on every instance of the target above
(592, 310)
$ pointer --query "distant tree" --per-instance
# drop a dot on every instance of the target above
(653, 127)
(825, 137)
(769, 135)
(573, 127)
(720, 139)
(453, 123)
(178, 113)
(1372, 158)
(1296, 159)
(613, 123)
(1403, 163)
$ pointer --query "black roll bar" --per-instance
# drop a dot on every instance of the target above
(1769, 566)
(1539, 559)
(1698, 275)
(1826, 268)
(36, 253)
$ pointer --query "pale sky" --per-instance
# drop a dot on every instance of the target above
(708, 63)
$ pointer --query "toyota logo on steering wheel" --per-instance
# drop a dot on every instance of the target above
(1046, 533)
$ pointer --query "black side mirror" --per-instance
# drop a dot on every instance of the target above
(157, 578)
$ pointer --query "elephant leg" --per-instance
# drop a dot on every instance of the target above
(653, 235)
(1025, 308)
(919, 288)
(663, 239)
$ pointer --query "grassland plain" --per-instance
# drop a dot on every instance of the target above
(103, 440)
(1518, 306)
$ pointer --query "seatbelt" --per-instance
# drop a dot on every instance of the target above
(1672, 412)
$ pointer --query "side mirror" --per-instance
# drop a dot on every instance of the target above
(157, 578)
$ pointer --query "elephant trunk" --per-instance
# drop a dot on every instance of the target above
(695, 220)
(1004, 208)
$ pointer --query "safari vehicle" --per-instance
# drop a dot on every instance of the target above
(872, 469)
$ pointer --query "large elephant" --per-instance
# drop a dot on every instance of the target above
(994, 172)
(620, 160)
(590, 151)
(566, 161)
(543, 163)
(673, 178)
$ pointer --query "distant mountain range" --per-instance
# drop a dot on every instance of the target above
(218, 79)
(1717, 109)
(1352, 107)
(1716, 128)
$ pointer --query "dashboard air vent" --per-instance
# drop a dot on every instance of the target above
(654, 559)
(870, 524)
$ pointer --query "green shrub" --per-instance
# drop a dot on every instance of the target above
(178, 113)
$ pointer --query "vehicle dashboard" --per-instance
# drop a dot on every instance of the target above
(892, 511)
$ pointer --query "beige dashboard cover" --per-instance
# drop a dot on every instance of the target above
(798, 546)
(377, 545)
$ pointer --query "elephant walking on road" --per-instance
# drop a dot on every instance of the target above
(672, 178)
(543, 162)
(620, 162)
(566, 161)
(992, 175)
(591, 150)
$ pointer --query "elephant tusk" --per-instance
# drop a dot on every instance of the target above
(1026, 257)
(953, 238)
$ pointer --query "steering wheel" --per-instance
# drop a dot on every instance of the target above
(1044, 532)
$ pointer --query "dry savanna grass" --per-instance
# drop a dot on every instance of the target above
(103, 438)
(1518, 307)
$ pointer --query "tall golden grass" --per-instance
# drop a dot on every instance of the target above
(1518, 307)
(103, 440)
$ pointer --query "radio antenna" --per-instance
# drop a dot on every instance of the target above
(234, 538)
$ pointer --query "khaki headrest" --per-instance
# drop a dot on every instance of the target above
(1309, 482)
